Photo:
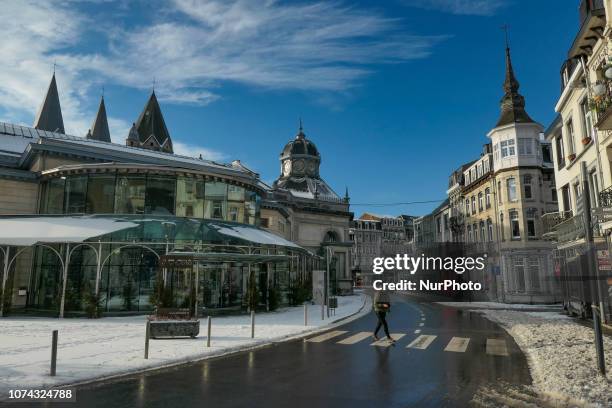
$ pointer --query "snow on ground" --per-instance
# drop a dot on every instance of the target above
(91, 349)
(560, 353)
(502, 306)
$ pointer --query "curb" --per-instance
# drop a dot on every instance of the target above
(222, 352)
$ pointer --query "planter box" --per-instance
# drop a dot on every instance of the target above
(174, 328)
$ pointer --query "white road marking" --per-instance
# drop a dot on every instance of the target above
(417, 331)
(422, 318)
(497, 347)
(355, 338)
(422, 342)
(386, 343)
(458, 344)
(421, 324)
(327, 336)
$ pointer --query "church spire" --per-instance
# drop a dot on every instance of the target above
(512, 103)
(49, 116)
(151, 127)
(99, 128)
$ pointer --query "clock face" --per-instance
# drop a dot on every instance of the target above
(287, 168)
(298, 166)
(312, 167)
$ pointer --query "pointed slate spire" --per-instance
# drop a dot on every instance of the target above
(512, 103)
(151, 123)
(49, 116)
(99, 128)
(347, 198)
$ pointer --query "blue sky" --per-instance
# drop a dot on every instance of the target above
(395, 94)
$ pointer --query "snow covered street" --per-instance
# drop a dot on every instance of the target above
(560, 353)
(92, 349)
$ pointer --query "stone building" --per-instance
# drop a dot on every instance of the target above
(581, 134)
(524, 183)
(303, 208)
(133, 226)
(367, 238)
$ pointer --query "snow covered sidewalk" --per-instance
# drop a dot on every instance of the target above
(560, 353)
(92, 349)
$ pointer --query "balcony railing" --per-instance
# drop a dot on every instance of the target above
(551, 220)
(605, 197)
(601, 103)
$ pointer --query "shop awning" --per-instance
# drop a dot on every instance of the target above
(27, 231)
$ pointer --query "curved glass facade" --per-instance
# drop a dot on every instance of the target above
(125, 194)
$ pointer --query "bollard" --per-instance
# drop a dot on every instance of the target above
(147, 336)
(53, 352)
(322, 311)
(252, 324)
(305, 314)
(208, 323)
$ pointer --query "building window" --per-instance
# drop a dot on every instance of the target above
(101, 194)
(480, 201)
(507, 148)
(569, 128)
(534, 272)
(560, 152)
(75, 195)
(265, 222)
(130, 194)
(475, 229)
(490, 229)
(553, 194)
(532, 213)
(488, 197)
(160, 195)
(519, 273)
(469, 233)
(467, 206)
(483, 235)
(525, 146)
(499, 192)
(501, 226)
(566, 197)
(587, 120)
(511, 187)
(473, 205)
(235, 203)
(515, 229)
(527, 186)
(215, 202)
(189, 197)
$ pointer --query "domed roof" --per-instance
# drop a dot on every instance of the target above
(300, 145)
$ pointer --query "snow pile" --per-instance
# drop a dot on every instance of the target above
(94, 349)
(500, 306)
(561, 354)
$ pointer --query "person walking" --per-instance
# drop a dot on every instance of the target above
(382, 305)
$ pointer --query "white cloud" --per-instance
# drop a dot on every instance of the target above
(467, 7)
(191, 48)
(191, 150)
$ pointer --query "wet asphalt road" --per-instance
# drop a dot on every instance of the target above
(328, 374)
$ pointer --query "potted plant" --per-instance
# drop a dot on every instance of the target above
(571, 157)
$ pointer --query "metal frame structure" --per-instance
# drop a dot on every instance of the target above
(200, 249)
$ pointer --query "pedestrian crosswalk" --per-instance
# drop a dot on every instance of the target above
(417, 341)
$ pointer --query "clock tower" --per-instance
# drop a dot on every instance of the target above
(300, 158)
